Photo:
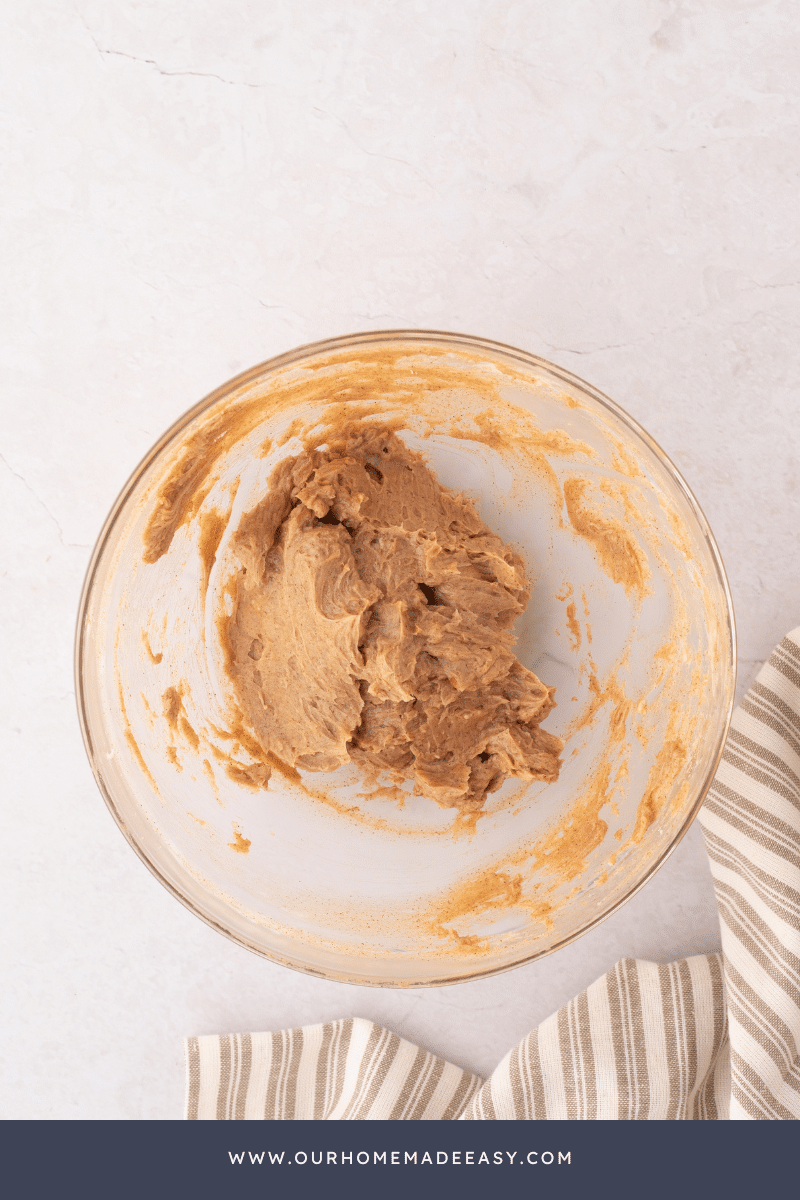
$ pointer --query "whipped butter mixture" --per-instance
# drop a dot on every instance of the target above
(339, 608)
(371, 621)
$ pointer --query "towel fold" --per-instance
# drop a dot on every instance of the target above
(711, 1037)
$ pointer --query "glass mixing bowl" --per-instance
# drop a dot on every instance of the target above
(630, 619)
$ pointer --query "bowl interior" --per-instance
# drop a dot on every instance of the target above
(629, 619)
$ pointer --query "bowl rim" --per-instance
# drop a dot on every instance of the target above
(269, 367)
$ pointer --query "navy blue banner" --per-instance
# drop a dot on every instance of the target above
(165, 1160)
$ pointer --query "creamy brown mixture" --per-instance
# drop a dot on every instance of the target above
(371, 621)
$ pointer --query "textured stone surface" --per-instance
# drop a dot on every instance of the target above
(193, 187)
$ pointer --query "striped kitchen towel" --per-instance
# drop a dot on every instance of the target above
(709, 1038)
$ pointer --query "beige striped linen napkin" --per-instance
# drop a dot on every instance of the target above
(712, 1037)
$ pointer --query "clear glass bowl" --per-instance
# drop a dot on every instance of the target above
(630, 619)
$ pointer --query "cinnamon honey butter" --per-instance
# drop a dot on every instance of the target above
(371, 622)
(335, 671)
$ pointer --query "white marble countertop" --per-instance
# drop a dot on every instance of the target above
(192, 187)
